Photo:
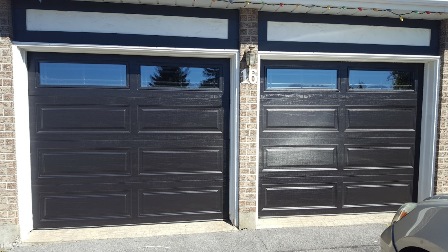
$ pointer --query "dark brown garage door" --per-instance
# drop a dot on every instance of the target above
(122, 140)
(338, 137)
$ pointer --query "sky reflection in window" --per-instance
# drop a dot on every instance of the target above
(79, 74)
(301, 79)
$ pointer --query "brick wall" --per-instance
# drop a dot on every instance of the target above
(441, 180)
(248, 125)
(8, 191)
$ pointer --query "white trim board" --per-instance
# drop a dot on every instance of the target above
(22, 112)
(429, 120)
(345, 33)
(126, 50)
(22, 129)
(97, 22)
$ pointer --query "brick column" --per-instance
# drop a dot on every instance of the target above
(248, 128)
(441, 176)
(8, 191)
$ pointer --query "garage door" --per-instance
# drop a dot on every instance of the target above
(338, 137)
(122, 140)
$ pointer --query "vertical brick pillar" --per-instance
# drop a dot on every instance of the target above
(248, 127)
(441, 179)
(8, 191)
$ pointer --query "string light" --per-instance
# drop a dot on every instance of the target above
(401, 16)
(297, 6)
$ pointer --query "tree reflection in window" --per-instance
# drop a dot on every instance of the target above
(401, 80)
(211, 76)
(180, 77)
(380, 80)
(168, 76)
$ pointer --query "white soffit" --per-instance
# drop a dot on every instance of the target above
(352, 34)
(95, 22)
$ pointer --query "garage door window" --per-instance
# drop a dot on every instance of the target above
(180, 77)
(82, 75)
(301, 78)
(371, 80)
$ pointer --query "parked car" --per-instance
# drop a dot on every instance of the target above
(419, 227)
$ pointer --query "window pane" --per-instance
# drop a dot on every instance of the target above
(380, 80)
(302, 78)
(77, 74)
(180, 77)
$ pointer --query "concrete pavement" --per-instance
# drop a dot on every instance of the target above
(324, 238)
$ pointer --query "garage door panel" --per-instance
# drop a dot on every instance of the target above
(205, 99)
(180, 201)
(180, 161)
(156, 119)
(129, 153)
(391, 98)
(94, 118)
(83, 162)
(290, 137)
(328, 174)
(300, 118)
(378, 193)
(278, 197)
(302, 157)
(112, 162)
(379, 156)
(402, 119)
(183, 137)
(361, 134)
(306, 98)
(84, 205)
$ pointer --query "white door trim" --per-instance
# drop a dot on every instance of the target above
(20, 83)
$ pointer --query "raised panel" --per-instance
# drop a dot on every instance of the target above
(83, 118)
(381, 119)
(300, 196)
(85, 206)
(372, 194)
(83, 162)
(179, 119)
(301, 157)
(177, 162)
(189, 201)
(301, 119)
(378, 156)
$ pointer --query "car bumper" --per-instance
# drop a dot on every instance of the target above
(386, 241)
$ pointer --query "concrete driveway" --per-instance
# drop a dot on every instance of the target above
(332, 238)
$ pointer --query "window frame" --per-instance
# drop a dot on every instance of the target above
(132, 63)
(343, 75)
